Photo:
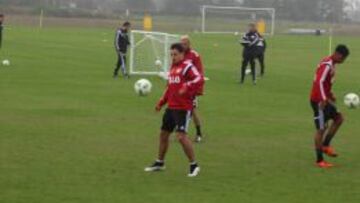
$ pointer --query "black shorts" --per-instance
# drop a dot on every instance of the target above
(177, 120)
(321, 117)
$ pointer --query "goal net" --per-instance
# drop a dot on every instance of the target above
(150, 52)
(221, 19)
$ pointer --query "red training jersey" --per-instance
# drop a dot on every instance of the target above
(182, 76)
(323, 81)
(193, 57)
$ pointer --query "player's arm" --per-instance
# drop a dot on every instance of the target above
(194, 82)
(256, 40)
(117, 40)
(199, 65)
(319, 82)
(245, 40)
(163, 100)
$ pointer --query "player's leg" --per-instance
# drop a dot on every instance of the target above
(320, 123)
(253, 69)
(197, 121)
(338, 120)
(182, 120)
(189, 151)
(163, 144)
(166, 129)
(245, 63)
(123, 65)
(118, 65)
(262, 63)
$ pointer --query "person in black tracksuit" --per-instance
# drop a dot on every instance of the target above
(250, 41)
(121, 45)
(1, 28)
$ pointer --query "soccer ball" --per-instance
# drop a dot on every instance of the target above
(143, 87)
(6, 62)
(351, 100)
(158, 63)
(236, 33)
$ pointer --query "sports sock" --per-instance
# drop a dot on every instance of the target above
(198, 130)
(194, 163)
(319, 155)
(159, 161)
(327, 140)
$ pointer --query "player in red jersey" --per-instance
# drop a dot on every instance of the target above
(192, 56)
(323, 104)
(183, 85)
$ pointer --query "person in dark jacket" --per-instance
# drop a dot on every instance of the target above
(250, 41)
(121, 45)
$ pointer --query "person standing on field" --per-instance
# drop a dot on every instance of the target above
(250, 42)
(121, 45)
(322, 101)
(183, 85)
(192, 56)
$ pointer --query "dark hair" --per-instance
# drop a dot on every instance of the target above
(127, 24)
(343, 50)
(178, 46)
(1, 15)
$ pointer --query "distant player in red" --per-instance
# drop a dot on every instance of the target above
(323, 104)
(192, 56)
(183, 85)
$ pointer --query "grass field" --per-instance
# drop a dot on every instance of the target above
(70, 133)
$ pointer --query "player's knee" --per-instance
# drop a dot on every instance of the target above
(181, 137)
(339, 119)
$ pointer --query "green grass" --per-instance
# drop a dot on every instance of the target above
(70, 133)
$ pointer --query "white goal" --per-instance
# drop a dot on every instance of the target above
(223, 19)
(150, 52)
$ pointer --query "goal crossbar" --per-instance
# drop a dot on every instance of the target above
(272, 12)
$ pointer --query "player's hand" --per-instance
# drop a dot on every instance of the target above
(333, 99)
(322, 105)
(157, 108)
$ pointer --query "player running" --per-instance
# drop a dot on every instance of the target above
(192, 56)
(250, 41)
(121, 45)
(183, 85)
(323, 103)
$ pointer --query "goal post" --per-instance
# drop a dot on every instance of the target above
(150, 52)
(226, 19)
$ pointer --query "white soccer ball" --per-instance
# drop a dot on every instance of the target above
(143, 87)
(247, 71)
(158, 63)
(236, 33)
(352, 100)
(6, 62)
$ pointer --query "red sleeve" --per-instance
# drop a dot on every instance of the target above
(321, 76)
(198, 64)
(195, 79)
(164, 99)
